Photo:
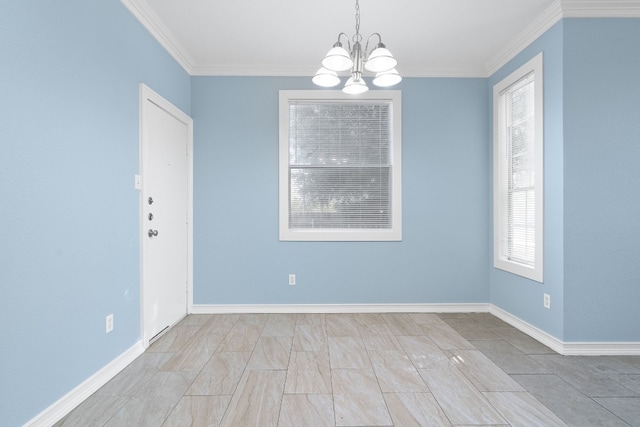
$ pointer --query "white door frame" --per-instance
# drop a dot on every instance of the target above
(148, 95)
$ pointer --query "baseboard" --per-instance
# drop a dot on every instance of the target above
(568, 348)
(601, 349)
(71, 400)
(549, 340)
(338, 308)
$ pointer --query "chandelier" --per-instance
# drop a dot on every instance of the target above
(379, 61)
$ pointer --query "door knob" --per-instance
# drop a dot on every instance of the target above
(152, 233)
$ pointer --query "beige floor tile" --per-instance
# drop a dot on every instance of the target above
(446, 337)
(395, 372)
(193, 356)
(378, 337)
(423, 352)
(317, 369)
(134, 376)
(402, 324)
(427, 319)
(481, 371)
(243, 336)
(95, 411)
(310, 337)
(219, 324)
(308, 373)
(198, 411)
(220, 375)
(348, 352)
(341, 325)
(279, 325)
(271, 353)
(369, 319)
(311, 319)
(197, 319)
(174, 339)
(458, 398)
(522, 409)
(415, 410)
(308, 410)
(257, 400)
(154, 401)
(357, 398)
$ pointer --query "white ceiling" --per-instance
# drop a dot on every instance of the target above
(290, 37)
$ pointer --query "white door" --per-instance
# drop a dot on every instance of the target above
(166, 139)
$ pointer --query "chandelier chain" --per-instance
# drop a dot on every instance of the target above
(357, 38)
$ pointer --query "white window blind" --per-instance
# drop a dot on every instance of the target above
(518, 171)
(519, 168)
(340, 169)
(339, 164)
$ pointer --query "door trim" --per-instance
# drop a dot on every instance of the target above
(147, 95)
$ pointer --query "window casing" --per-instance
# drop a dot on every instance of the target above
(340, 166)
(518, 171)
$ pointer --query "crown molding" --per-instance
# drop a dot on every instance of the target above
(250, 70)
(258, 71)
(554, 13)
(539, 26)
(158, 29)
(601, 8)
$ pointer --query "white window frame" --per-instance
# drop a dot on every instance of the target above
(394, 233)
(500, 185)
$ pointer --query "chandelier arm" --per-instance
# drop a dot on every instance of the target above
(339, 43)
(380, 44)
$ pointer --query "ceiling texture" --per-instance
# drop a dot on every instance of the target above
(429, 38)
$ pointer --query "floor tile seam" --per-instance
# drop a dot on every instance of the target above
(574, 388)
(173, 408)
(484, 399)
(610, 412)
(468, 382)
(114, 413)
(525, 391)
(333, 394)
(381, 394)
(375, 373)
(437, 401)
(415, 369)
(596, 376)
(504, 416)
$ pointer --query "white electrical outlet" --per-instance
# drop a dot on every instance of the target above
(547, 301)
(109, 323)
(292, 279)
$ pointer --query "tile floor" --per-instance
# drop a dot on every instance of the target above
(361, 370)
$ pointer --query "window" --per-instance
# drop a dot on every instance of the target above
(518, 172)
(340, 163)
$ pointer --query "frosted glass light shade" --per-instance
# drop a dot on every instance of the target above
(380, 60)
(387, 78)
(355, 87)
(326, 78)
(337, 59)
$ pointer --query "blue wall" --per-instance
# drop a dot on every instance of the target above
(69, 237)
(69, 234)
(592, 208)
(602, 179)
(238, 257)
(514, 294)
